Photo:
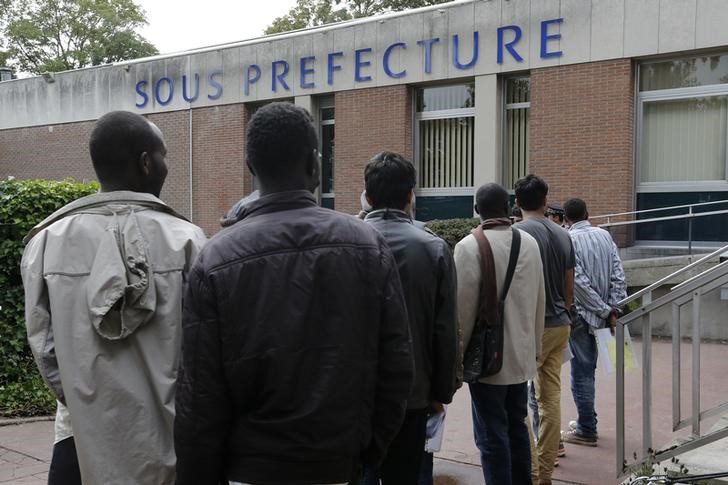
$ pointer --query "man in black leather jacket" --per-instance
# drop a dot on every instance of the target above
(296, 356)
(427, 272)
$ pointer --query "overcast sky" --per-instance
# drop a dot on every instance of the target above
(176, 25)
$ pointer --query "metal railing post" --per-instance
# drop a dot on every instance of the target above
(676, 340)
(621, 459)
(647, 377)
(690, 232)
(696, 363)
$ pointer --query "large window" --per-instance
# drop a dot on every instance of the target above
(515, 132)
(445, 133)
(683, 115)
(444, 150)
(682, 126)
(326, 114)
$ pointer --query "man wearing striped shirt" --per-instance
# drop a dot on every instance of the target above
(598, 287)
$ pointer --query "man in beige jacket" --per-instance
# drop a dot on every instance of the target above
(499, 401)
(103, 281)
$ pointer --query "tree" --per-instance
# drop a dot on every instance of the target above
(311, 13)
(59, 35)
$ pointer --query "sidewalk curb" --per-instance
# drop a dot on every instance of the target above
(34, 419)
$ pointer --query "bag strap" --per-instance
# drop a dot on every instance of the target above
(487, 310)
(512, 260)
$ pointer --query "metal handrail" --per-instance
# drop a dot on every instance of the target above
(690, 291)
(689, 215)
(661, 281)
(642, 211)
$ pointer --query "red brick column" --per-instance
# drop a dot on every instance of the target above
(368, 121)
(582, 133)
(218, 163)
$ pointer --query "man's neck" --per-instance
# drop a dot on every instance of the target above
(536, 213)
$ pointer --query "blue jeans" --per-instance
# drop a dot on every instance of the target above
(583, 366)
(499, 414)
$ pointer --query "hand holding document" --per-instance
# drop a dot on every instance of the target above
(607, 345)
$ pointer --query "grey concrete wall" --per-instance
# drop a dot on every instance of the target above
(591, 31)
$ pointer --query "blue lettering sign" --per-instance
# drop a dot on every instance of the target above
(305, 71)
(509, 45)
(427, 44)
(333, 67)
(141, 92)
(170, 92)
(455, 48)
(211, 80)
(189, 99)
(255, 70)
(358, 64)
(277, 77)
(545, 37)
(385, 61)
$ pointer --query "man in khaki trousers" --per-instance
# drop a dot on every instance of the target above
(557, 256)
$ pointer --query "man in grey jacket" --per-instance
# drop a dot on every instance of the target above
(427, 273)
(103, 280)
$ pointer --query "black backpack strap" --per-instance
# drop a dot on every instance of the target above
(512, 260)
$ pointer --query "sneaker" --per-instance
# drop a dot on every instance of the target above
(572, 427)
(562, 449)
(579, 439)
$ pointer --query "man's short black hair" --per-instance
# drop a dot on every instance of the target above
(531, 192)
(575, 210)
(118, 139)
(389, 178)
(280, 136)
(491, 200)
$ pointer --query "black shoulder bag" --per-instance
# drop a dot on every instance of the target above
(484, 355)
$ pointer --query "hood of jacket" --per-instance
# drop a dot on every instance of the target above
(120, 287)
(237, 211)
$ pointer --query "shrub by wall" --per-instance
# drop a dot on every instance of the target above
(453, 230)
(23, 204)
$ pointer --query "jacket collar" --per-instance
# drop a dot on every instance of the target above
(580, 225)
(119, 197)
(279, 201)
(389, 214)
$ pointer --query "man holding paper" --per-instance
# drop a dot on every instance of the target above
(598, 287)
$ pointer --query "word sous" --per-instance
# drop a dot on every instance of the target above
(163, 90)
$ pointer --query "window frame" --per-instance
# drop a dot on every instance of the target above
(505, 107)
(420, 116)
(327, 103)
(672, 94)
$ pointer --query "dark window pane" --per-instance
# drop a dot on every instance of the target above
(327, 114)
(446, 97)
(518, 90)
(684, 73)
(327, 159)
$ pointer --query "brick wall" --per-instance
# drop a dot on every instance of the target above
(368, 121)
(218, 163)
(582, 134)
(52, 152)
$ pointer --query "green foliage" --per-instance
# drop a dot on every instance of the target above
(312, 13)
(23, 204)
(453, 230)
(59, 35)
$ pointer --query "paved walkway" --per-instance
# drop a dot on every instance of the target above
(25, 449)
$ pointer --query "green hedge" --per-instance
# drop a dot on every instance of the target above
(23, 204)
(453, 230)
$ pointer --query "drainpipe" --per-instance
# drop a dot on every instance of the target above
(190, 161)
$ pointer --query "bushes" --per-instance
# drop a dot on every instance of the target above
(23, 204)
(453, 230)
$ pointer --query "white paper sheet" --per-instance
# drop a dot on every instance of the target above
(435, 430)
(607, 345)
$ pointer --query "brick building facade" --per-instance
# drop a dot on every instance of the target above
(602, 102)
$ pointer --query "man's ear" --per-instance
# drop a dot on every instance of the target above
(475, 208)
(250, 167)
(369, 199)
(586, 215)
(410, 196)
(143, 163)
